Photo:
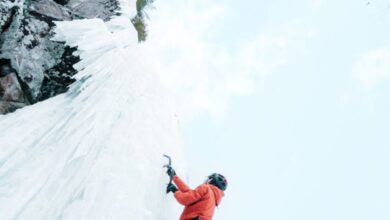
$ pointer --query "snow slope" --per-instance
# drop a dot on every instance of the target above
(94, 152)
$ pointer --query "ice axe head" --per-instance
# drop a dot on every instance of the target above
(169, 161)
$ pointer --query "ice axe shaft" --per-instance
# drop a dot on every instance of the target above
(168, 166)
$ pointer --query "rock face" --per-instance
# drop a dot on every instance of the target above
(103, 9)
(49, 9)
(11, 95)
(43, 68)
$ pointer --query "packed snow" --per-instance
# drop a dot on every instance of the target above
(94, 152)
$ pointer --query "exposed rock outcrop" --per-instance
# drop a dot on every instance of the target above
(43, 66)
(26, 41)
(103, 9)
(57, 79)
(49, 9)
(12, 96)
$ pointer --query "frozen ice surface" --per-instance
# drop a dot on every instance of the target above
(94, 152)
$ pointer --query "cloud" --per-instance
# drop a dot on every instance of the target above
(372, 67)
(317, 4)
(185, 43)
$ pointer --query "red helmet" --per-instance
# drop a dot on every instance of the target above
(218, 180)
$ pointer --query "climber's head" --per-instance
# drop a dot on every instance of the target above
(217, 180)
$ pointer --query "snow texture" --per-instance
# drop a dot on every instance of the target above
(94, 152)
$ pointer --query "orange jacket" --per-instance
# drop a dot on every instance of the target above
(199, 202)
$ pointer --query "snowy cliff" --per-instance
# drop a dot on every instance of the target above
(94, 152)
(44, 67)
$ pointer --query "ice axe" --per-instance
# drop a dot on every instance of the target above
(168, 166)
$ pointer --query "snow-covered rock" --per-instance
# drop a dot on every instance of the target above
(26, 30)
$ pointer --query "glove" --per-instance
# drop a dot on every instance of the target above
(171, 172)
(171, 188)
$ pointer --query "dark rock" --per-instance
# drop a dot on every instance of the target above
(12, 96)
(5, 67)
(103, 9)
(28, 45)
(58, 78)
(40, 68)
(62, 2)
(28, 78)
(8, 18)
(49, 9)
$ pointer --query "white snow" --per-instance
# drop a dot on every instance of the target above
(94, 152)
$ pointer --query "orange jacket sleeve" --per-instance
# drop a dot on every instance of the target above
(191, 196)
(180, 184)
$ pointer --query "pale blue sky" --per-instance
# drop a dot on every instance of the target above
(310, 138)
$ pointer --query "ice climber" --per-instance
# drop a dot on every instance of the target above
(200, 202)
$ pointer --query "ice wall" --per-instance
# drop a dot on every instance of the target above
(94, 152)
